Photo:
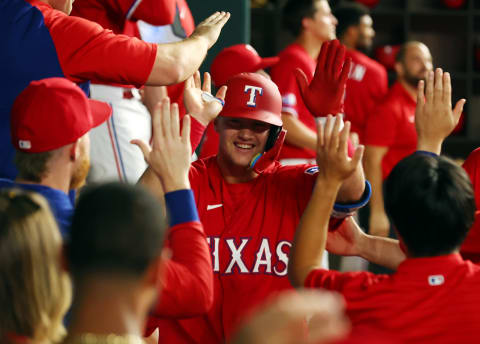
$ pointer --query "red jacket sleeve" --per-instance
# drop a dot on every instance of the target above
(86, 51)
(196, 133)
(188, 283)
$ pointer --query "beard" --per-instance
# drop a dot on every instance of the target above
(80, 174)
(413, 79)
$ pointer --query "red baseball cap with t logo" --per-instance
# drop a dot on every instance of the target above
(51, 113)
(252, 96)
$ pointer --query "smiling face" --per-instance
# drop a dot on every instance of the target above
(240, 139)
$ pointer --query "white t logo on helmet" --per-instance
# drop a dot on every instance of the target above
(253, 94)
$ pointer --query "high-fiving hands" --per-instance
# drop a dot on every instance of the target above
(211, 27)
(170, 154)
(332, 151)
(198, 100)
(434, 117)
(324, 95)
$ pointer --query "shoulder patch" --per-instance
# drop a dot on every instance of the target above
(312, 170)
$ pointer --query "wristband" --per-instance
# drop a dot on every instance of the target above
(426, 153)
(181, 207)
(341, 211)
(209, 98)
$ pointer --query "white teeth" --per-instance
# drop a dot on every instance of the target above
(244, 146)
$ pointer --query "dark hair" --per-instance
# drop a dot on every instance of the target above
(293, 13)
(431, 203)
(349, 14)
(32, 166)
(116, 229)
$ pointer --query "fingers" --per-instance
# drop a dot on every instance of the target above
(429, 88)
(438, 85)
(457, 110)
(213, 18)
(343, 139)
(221, 93)
(207, 83)
(357, 156)
(189, 82)
(163, 92)
(338, 61)
(156, 120)
(327, 131)
(222, 19)
(320, 135)
(197, 80)
(143, 147)
(175, 122)
(335, 138)
(332, 53)
(165, 120)
(322, 58)
(302, 80)
(185, 135)
(447, 89)
(345, 71)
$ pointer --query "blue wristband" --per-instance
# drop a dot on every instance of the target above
(181, 207)
(341, 211)
(426, 153)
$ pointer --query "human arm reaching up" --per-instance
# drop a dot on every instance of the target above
(311, 234)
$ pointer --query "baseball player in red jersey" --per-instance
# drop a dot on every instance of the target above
(239, 58)
(312, 23)
(112, 155)
(431, 203)
(367, 83)
(81, 50)
(249, 213)
(390, 130)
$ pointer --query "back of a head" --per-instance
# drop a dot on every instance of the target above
(35, 292)
(293, 13)
(431, 203)
(349, 14)
(117, 229)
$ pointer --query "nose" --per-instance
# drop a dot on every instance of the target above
(334, 20)
(245, 133)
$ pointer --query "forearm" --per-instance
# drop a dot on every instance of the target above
(175, 62)
(352, 188)
(298, 134)
(311, 234)
(434, 146)
(382, 251)
(373, 171)
(149, 180)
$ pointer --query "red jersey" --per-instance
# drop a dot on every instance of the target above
(294, 56)
(250, 228)
(427, 300)
(86, 51)
(367, 85)
(392, 125)
(471, 246)
(112, 14)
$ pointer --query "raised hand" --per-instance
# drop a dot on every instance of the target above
(211, 27)
(169, 156)
(332, 151)
(325, 93)
(434, 117)
(199, 101)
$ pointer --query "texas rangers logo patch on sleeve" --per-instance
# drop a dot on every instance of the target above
(312, 170)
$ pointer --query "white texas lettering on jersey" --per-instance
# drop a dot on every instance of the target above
(263, 257)
(253, 94)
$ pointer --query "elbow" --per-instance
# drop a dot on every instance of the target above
(204, 298)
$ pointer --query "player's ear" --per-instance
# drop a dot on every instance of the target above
(74, 150)
(352, 32)
(306, 22)
(399, 68)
